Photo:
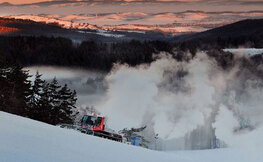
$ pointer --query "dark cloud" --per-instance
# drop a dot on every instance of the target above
(252, 3)
(57, 2)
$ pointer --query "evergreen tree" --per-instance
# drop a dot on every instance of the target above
(34, 105)
(54, 97)
(54, 92)
(67, 105)
(15, 91)
(57, 104)
(45, 107)
(4, 89)
(46, 102)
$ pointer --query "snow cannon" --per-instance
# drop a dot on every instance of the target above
(135, 141)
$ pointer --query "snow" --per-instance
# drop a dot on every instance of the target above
(26, 140)
(54, 19)
(104, 33)
(245, 51)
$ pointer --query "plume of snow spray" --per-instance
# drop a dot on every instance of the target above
(180, 101)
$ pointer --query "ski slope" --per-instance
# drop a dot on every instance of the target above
(25, 140)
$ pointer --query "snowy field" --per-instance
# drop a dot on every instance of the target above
(25, 140)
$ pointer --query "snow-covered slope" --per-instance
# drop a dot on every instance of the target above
(25, 140)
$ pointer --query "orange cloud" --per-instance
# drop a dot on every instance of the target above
(22, 1)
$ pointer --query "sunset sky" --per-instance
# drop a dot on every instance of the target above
(114, 12)
(36, 1)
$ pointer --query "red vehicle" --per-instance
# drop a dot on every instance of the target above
(94, 125)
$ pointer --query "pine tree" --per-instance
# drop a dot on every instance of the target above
(16, 91)
(4, 89)
(46, 102)
(54, 97)
(67, 105)
(45, 108)
(54, 92)
(34, 105)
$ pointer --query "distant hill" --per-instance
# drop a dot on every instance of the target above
(246, 32)
(245, 27)
(4, 29)
(31, 28)
(5, 4)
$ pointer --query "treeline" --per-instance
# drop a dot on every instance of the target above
(40, 100)
(30, 51)
(63, 52)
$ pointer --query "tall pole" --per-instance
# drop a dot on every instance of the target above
(156, 137)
